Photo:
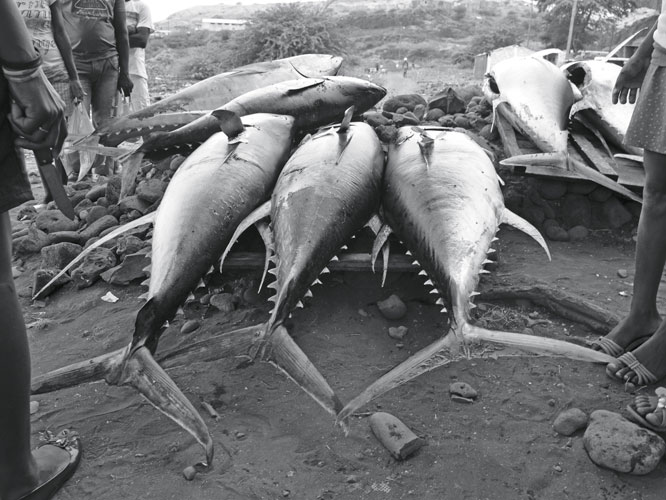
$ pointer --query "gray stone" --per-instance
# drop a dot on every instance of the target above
(570, 421)
(614, 213)
(578, 233)
(409, 101)
(43, 276)
(556, 233)
(581, 187)
(189, 326)
(52, 221)
(376, 119)
(434, 114)
(634, 208)
(96, 192)
(132, 268)
(98, 226)
(419, 111)
(463, 390)
(223, 301)
(411, 118)
(489, 133)
(613, 442)
(95, 213)
(112, 193)
(392, 308)
(552, 190)
(31, 243)
(386, 133)
(59, 255)
(94, 264)
(176, 161)
(448, 101)
(622, 273)
(576, 211)
(534, 215)
(398, 332)
(600, 194)
(130, 203)
(151, 190)
(462, 122)
(447, 121)
(401, 110)
(83, 206)
(128, 244)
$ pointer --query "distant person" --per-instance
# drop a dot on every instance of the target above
(405, 67)
(31, 116)
(98, 31)
(139, 28)
(639, 340)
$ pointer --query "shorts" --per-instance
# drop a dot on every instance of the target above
(14, 184)
(647, 128)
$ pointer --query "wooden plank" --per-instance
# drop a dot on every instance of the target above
(631, 173)
(346, 262)
(594, 156)
(507, 134)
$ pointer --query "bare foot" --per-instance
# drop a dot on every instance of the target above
(628, 334)
(648, 362)
(55, 463)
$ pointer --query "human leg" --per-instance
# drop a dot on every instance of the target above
(643, 318)
(140, 94)
(650, 258)
(104, 90)
(21, 471)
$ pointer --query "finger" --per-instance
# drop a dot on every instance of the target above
(633, 94)
(28, 125)
(37, 136)
(41, 139)
(614, 95)
(623, 96)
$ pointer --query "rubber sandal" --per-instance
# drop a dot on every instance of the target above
(642, 375)
(636, 417)
(614, 349)
(69, 442)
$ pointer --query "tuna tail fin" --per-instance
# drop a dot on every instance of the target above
(146, 219)
(259, 213)
(130, 170)
(139, 370)
(508, 217)
(559, 160)
(281, 350)
(537, 345)
(437, 354)
(230, 122)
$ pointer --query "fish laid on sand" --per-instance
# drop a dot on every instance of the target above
(328, 190)
(216, 187)
(535, 97)
(442, 199)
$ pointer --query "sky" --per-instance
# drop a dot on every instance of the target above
(161, 9)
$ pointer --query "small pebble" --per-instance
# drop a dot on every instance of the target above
(551, 402)
(286, 493)
(189, 473)
(397, 332)
(622, 273)
(392, 308)
(557, 468)
(240, 435)
(362, 313)
(189, 326)
(16, 272)
(463, 390)
(34, 407)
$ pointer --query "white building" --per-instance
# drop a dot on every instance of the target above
(223, 24)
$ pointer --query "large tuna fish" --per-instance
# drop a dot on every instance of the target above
(211, 93)
(216, 188)
(535, 97)
(443, 200)
(328, 190)
(313, 102)
(595, 81)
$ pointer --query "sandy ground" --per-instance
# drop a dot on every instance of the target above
(283, 445)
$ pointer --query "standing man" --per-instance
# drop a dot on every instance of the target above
(139, 28)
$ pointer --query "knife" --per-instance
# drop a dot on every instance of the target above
(52, 178)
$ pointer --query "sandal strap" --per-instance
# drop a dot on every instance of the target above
(608, 346)
(643, 375)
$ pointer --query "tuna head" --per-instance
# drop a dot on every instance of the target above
(535, 97)
(363, 94)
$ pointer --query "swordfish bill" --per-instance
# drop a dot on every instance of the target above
(442, 198)
(211, 193)
(328, 190)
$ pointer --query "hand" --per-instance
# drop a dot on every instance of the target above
(131, 30)
(76, 89)
(37, 114)
(125, 84)
(629, 81)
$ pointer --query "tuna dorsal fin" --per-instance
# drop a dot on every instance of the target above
(344, 126)
(345, 139)
(230, 122)
(300, 85)
(508, 217)
(381, 243)
(258, 214)
(146, 219)
(267, 236)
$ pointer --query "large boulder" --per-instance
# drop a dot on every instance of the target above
(409, 101)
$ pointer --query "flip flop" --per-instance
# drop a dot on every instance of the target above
(636, 417)
(70, 443)
(642, 375)
(614, 349)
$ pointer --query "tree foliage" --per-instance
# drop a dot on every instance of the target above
(491, 40)
(592, 19)
(283, 31)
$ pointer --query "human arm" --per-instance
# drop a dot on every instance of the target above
(37, 111)
(65, 47)
(122, 46)
(139, 33)
(631, 75)
(139, 38)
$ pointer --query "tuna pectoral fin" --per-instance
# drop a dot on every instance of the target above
(602, 180)
(508, 217)
(259, 213)
(537, 345)
(131, 166)
(141, 371)
(230, 122)
(433, 356)
(381, 243)
(281, 350)
(626, 156)
(146, 219)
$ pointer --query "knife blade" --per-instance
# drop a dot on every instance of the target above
(52, 178)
